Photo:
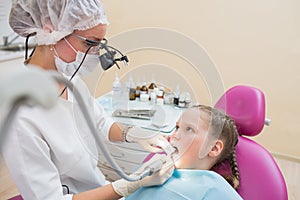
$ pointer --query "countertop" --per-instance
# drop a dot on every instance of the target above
(8, 55)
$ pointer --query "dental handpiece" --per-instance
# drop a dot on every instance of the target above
(158, 164)
(154, 167)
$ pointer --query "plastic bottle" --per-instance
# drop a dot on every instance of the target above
(137, 91)
(187, 99)
(153, 97)
(160, 98)
(144, 96)
(181, 101)
(116, 85)
(144, 89)
(116, 91)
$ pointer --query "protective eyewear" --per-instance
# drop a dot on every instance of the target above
(107, 59)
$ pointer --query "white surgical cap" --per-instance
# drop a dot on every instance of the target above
(52, 20)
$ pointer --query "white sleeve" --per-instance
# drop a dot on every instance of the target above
(104, 122)
(28, 159)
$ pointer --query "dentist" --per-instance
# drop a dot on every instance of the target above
(50, 153)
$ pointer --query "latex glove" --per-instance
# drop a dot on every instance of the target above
(151, 141)
(125, 188)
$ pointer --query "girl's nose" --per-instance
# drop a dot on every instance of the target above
(175, 135)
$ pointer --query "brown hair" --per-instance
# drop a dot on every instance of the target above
(223, 127)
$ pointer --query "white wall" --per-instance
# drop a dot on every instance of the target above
(253, 43)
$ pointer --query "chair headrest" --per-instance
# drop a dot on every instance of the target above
(246, 106)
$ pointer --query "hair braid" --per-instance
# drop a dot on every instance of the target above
(235, 178)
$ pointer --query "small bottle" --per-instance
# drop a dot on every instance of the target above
(153, 97)
(160, 98)
(116, 91)
(176, 96)
(137, 90)
(152, 85)
(168, 97)
(116, 85)
(160, 94)
(132, 94)
(144, 89)
(181, 101)
(131, 89)
(187, 100)
(155, 90)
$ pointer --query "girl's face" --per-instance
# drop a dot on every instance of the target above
(191, 138)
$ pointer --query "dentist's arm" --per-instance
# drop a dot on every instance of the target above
(101, 193)
(152, 141)
(115, 132)
(123, 188)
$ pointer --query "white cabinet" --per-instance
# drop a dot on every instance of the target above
(129, 156)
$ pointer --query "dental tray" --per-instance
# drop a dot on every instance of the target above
(134, 113)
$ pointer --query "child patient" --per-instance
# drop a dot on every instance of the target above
(204, 139)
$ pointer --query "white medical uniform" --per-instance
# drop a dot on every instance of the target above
(48, 148)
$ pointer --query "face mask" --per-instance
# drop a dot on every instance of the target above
(89, 64)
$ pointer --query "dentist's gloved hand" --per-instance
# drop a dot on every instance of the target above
(125, 188)
(151, 141)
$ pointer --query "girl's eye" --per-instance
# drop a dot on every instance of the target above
(189, 129)
(176, 127)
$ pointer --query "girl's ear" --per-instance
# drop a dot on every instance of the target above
(216, 149)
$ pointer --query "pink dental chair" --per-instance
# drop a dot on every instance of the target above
(260, 176)
(19, 197)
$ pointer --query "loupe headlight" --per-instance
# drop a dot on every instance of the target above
(107, 60)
